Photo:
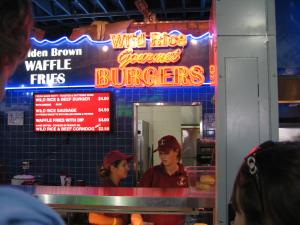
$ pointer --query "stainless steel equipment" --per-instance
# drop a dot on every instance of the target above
(144, 152)
(190, 134)
(123, 200)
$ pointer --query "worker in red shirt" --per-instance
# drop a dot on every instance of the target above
(115, 168)
(170, 173)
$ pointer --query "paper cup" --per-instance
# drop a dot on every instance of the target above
(62, 180)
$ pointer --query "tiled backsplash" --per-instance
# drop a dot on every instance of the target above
(80, 153)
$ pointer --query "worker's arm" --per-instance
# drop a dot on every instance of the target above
(101, 219)
(136, 219)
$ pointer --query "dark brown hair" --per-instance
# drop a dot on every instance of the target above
(276, 201)
(15, 28)
(106, 172)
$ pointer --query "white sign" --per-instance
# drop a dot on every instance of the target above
(15, 118)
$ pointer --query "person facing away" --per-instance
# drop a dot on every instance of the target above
(15, 27)
(20, 208)
(267, 186)
(114, 169)
(169, 174)
(17, 207)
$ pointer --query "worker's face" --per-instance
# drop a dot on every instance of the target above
(168, 158)
(121, 170)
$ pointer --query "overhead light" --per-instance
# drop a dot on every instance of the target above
(105, 48)
(194, 42)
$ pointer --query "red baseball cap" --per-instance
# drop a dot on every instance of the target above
(113, 156)
(166, 143)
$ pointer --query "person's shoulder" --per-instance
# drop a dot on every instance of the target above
(107, 182)
(12, 195)
(29, 209)
(155, 169)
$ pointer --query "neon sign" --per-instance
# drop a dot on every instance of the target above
(157, 40)
(132, 40)
(136, 59)
(212, 75)
(150, 76)
(127, 57)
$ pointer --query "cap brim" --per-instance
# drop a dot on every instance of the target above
(162, 150)
(129, 158)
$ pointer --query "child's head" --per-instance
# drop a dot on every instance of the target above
(267, 186)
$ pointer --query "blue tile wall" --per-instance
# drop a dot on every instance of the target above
(80, 153)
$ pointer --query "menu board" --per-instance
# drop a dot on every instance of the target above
(72, 112)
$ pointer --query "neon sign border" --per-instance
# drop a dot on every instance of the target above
(88, 37)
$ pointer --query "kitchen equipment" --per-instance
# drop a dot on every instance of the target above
(144, 153)
(205, 152)
(190, 134)
(25, 167)
(23, 180)
(68, 181)
(62, 180)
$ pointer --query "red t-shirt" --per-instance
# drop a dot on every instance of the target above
(158, 177)
(125, 217)
(107, 182)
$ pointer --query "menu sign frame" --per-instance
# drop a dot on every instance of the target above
(72, 112)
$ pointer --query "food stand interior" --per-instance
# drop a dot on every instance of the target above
(80, 154)
(48, 153)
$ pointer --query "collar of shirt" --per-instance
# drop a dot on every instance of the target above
(180, 170)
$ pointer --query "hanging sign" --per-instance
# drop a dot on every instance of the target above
(166, 73)
(125, 60)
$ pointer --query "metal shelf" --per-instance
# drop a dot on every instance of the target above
(123, 200)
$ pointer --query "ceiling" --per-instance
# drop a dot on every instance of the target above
(59, 17)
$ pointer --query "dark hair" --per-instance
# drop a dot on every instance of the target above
(15, 28)
(103, 172)
(179, 153)
(270, 195)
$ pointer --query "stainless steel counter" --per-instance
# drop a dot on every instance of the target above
(123, 200)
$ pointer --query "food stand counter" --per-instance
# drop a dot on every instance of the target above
(123, 200)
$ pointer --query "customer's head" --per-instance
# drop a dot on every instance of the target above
(19, 208)
(169, 150)
(115, 163)
(267, 186)
(15, 26)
